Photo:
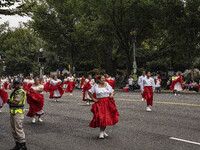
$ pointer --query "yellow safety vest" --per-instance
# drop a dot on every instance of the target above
(14, 109)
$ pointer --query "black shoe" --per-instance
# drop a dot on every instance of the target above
(23, 146)
(17, 146)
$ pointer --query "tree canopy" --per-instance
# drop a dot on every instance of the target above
(94, 35)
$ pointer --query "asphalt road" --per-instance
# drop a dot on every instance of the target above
(65, 125)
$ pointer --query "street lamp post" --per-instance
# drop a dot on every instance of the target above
(133, 34)
(41, 53)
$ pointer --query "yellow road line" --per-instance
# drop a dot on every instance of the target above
(158, 102)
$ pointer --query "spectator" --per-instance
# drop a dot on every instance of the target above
(158, 84)
(130, 83)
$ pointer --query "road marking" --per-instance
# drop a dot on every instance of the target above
(182, 140)
(158, 102)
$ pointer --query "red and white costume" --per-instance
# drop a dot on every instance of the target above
(71, 85)
(5, 83)
(65, 83)
(88, 85)
(30, 83)
(177, 84)
(47, 84)
(3, 96)
(10, 85)
(25, 87)
(56, 90)
(111, 82)
(149, 86)
(105, 111)
(82, 82)
(36, 101)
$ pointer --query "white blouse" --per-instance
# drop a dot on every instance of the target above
(54, 82)
(92, 82)
(149, 82)
(4, 81)
(101, 92)
(26, 81)
(70, 79)
(31, 81)
(37, 87)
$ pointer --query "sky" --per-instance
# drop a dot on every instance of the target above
(13, 20)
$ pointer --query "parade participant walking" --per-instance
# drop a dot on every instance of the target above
(82, 82)
(89, 83)
(47, 84)
(35, 99)
(140, 82)
(65, 83)
(149, 86)
(104, 108)
(110, 81)
(16, 103)
(4, 82)
(56, 90)
(25, 84)
(71, 84)
(3, 96)
(30, 82)
(177, 84)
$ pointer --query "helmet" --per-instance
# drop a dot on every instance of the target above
(16, 80)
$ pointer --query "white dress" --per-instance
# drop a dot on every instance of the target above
(101, 92)
(177, 86)
(37, 88)
(56, 93)
(92, 82)
(70, 79)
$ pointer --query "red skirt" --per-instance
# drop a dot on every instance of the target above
(70, 87)
(46, 87)
(25, 87)
(5, 85)
(148, 95)
(105, 113)
(36, 102)
(4, 97)
(56, 87)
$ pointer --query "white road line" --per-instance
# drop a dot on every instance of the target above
(182, 140)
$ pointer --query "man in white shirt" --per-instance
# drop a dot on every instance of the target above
(140, 82)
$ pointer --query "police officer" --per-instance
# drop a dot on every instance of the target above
(16, 103)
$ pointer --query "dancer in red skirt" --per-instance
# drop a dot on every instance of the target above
(56, 90)
(82, 82)
(4, 81)
(111, 81)
(3, 96)
(35, 99)
(89, 83)
(25, 83)
(71, 84)
(104, 109)
(148, 85)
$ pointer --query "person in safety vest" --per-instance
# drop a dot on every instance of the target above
(16, 103)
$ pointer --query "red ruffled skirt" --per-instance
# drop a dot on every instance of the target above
(36, 102)
(25, 87)
(105, 113)
(70, 87)
(4, 97)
